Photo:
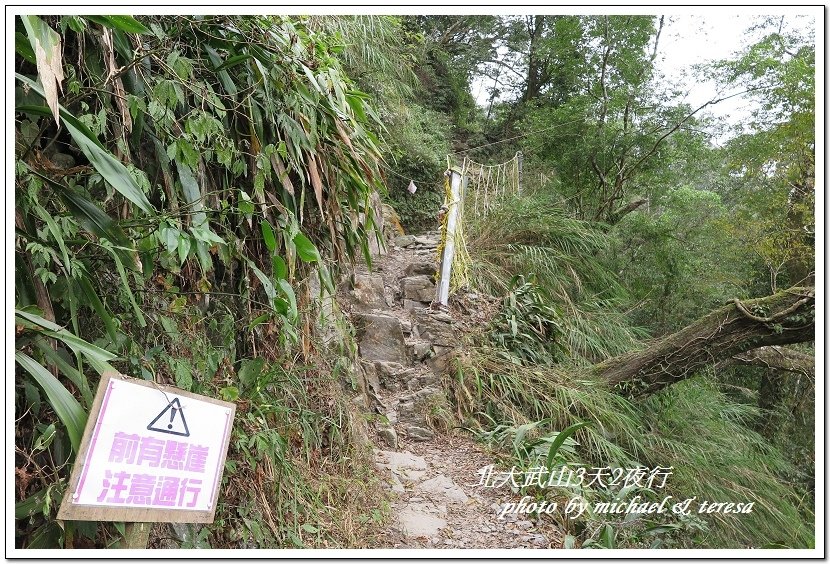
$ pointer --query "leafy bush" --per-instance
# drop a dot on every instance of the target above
(527, 325)
(204, 169)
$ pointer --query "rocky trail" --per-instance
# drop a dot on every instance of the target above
(432, 470)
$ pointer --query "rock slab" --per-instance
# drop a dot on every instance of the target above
(417, 521)
(443, 486)
(367, 292)
(403, 464)
(418, 288)
(380, 338)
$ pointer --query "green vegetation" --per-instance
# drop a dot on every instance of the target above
(205, 175)
(630, 225)
(189, 190)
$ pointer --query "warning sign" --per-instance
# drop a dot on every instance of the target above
(149, 453)
(177, 425)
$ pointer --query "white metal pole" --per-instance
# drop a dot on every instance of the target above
(449, 240)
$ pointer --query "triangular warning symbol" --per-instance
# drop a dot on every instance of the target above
(173, 423)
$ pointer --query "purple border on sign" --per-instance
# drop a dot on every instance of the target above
(218, 470)
(94, 439)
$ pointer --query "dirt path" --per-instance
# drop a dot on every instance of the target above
(434, 477)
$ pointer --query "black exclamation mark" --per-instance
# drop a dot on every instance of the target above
(172, 416)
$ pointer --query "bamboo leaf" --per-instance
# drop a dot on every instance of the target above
(183, 247)
(31, 505)
(288, 292)
(36, 320)
(281, 172)
(57, 235)
(231, 62)
(77, 378)
(46, 44)
(205, 235)
(560, 440)
(264, 280)
(110, 168)
(268, 236)
(23, 47)
(96, 355)
(93, 300)
(356, 104)
(192, 193)
(64, 403)
(311, 78)
(306, 249)
(224, 77)
(88, 214)
(279, 267)
(124, 23)
(316, 183)
(126, 283)
(606, 538)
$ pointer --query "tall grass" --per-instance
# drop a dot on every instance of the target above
(692, 427)
(706, 437)
(531, 234)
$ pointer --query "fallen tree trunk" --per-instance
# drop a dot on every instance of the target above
(776, 358)
(784, 318)
(783, 370)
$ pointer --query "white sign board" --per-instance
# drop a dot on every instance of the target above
(150, 453)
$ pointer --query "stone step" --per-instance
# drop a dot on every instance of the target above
(388, 375)
(418, 288)
(421, 267)
(419, 349)
(413, 305)
(380, 337)
(435, 327)
(368, 293)
(427, 241)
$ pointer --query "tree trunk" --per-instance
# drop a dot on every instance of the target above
(770, 396)
(534, 63)
(780, 364)
(784, 318)
(778, 359)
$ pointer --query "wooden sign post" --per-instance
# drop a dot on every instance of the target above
(149, 453)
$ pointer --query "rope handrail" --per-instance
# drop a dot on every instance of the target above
(478, 188)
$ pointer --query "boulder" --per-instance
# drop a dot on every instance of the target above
(389, 436)
(368, 292)
(372, 380)
(425, 241)
(439, 362)
(412, 305)
(404, 240)
(421, 268)
(417, 433)
(413, 406)
(392, 375)
(418, 288)
(422, 381)
(435, 327)
(420, 350)
(380, 337)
